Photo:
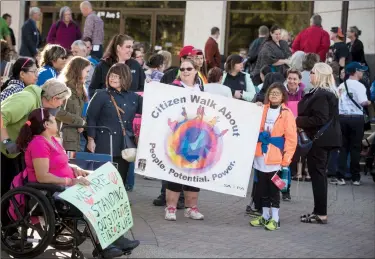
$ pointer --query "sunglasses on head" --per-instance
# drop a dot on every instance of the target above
(182, 69)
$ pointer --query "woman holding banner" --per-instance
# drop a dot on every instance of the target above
(47, 162)
(274, 152)
(188, 79)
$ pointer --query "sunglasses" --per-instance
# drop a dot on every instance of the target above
(312, 73)
(182, 69)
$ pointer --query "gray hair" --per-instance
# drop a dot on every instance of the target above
(296, 60)
(316, 20)
(80, 44)
(63, 10)
(264, 31)
(34, 10)
(86, 4)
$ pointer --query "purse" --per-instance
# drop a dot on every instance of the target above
(130, 150)
(367, 123)
(305, 143)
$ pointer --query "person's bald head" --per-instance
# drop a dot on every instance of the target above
(86, 8)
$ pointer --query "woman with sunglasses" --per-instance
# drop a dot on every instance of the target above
(53, 60)
(24, 73)
(319, 110)
(274, 152)
(187, 79)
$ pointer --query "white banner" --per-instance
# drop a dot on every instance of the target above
(197, 139)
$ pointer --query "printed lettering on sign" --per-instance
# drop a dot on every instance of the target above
(198, 139)
(104, 203)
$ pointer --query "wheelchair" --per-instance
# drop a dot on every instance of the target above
(34, 219)
(42, 221)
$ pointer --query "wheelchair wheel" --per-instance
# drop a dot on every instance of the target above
(30, 225)
(63, 237)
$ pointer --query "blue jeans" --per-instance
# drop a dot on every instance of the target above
(82, 142)
(130, 177)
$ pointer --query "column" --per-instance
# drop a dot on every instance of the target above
(200, 17)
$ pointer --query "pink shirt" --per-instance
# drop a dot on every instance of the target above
(39, 147)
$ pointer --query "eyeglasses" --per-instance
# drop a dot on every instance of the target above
(312, 73)
(275, 93)
(114, 76)
(35, 72)
(182, 69)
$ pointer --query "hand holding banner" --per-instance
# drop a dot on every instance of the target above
(197, 139)
(104, 203)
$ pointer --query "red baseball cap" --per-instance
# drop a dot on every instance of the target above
(197, 52)
(186, 51)
(338, 31)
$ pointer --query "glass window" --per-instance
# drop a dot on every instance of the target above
(139, 27)
(244, 27)
(111, 21)
(130, 4)
(141, 4)
(270, 5)
(46, 25)
(168, 32)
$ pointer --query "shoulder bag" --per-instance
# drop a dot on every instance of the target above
(305, 143)
(367, 123)
(130, 150)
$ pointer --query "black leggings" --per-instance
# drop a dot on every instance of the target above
(176, 187)
(270, 192)
(122, 167)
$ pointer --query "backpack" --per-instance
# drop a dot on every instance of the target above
(18, 181)
(6, 76)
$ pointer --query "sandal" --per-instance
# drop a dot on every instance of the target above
(307, 215)
(314, 219)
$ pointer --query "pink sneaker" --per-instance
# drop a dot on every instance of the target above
(170, 213)
(193, 213)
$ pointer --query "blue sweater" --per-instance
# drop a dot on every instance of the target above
(45, 73)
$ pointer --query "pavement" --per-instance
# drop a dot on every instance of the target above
(225, 231)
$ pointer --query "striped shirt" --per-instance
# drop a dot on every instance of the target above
(94, 29)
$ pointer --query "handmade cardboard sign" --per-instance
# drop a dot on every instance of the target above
(197, 139)
(104, 203)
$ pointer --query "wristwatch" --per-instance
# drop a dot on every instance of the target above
(5, 141)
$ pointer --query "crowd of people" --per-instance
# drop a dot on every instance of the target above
(91, 87)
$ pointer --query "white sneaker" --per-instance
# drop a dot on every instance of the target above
(357, 183)
(193, 213)
(337, 181)
(170, 213)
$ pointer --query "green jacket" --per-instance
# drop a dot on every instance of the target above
(71, 114)
(16, 109)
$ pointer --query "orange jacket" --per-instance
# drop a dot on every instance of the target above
(285, 125)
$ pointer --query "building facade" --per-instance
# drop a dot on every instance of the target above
(172, 24)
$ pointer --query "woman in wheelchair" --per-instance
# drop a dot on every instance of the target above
(47, 162)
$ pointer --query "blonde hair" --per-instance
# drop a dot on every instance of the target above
(284, 33)
(324, 77)
(167, 58)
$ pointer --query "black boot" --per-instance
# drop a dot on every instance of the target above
(125, 244)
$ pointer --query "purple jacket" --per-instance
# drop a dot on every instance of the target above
(298, 95)
(64, 35)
